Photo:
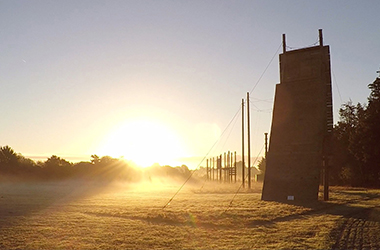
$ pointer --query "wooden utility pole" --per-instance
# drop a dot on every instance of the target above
(220, 168)
(249, 143)
(213, 168)
(228, 166)
(224, 169)
(207, 168)
(242, 143)
(232, 167)
(235, 167)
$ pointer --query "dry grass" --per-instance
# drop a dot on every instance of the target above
(93, 216)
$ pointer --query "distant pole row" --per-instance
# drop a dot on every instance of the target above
(222, 168)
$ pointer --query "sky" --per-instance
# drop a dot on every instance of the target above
(163, 81)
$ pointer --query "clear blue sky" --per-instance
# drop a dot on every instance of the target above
(74, 72)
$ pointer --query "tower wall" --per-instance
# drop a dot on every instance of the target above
(300, 124)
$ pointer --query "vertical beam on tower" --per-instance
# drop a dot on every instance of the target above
(329, 124)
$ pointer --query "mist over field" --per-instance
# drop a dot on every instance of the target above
(111, 203)
(142, 84)
(203, 215)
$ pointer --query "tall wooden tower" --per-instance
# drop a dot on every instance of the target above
(301, 125)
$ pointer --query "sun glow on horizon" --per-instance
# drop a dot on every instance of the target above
(144, 142)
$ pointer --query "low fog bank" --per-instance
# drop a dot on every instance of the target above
(99, 171)
(22, 194)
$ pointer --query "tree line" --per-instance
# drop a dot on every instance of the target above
(356, 140)
(356, 143)
(14, 166)
(355, 156)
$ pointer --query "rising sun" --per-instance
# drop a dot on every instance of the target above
(144, 142)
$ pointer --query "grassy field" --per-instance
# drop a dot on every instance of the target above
(99, 216)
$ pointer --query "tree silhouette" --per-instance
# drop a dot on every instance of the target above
(371, 135)
(57, 168)
(357, 142)
(8, 156)
(15, 164)
(95, 159)
(262, 165)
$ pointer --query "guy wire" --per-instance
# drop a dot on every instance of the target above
(229, 206)
(193, 171)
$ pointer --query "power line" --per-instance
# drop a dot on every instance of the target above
(254, 99)
(257, 108)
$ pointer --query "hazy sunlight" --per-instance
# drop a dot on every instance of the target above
(143, 141)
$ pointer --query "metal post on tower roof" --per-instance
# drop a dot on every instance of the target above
(320, 38)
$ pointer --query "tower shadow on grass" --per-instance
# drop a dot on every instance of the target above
(348, 208)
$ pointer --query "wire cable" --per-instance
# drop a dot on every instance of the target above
(337, 87)
(307, 46)
(222, 146)
(265, 70)
(245, 177)
(192, 172)
(229, 134)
